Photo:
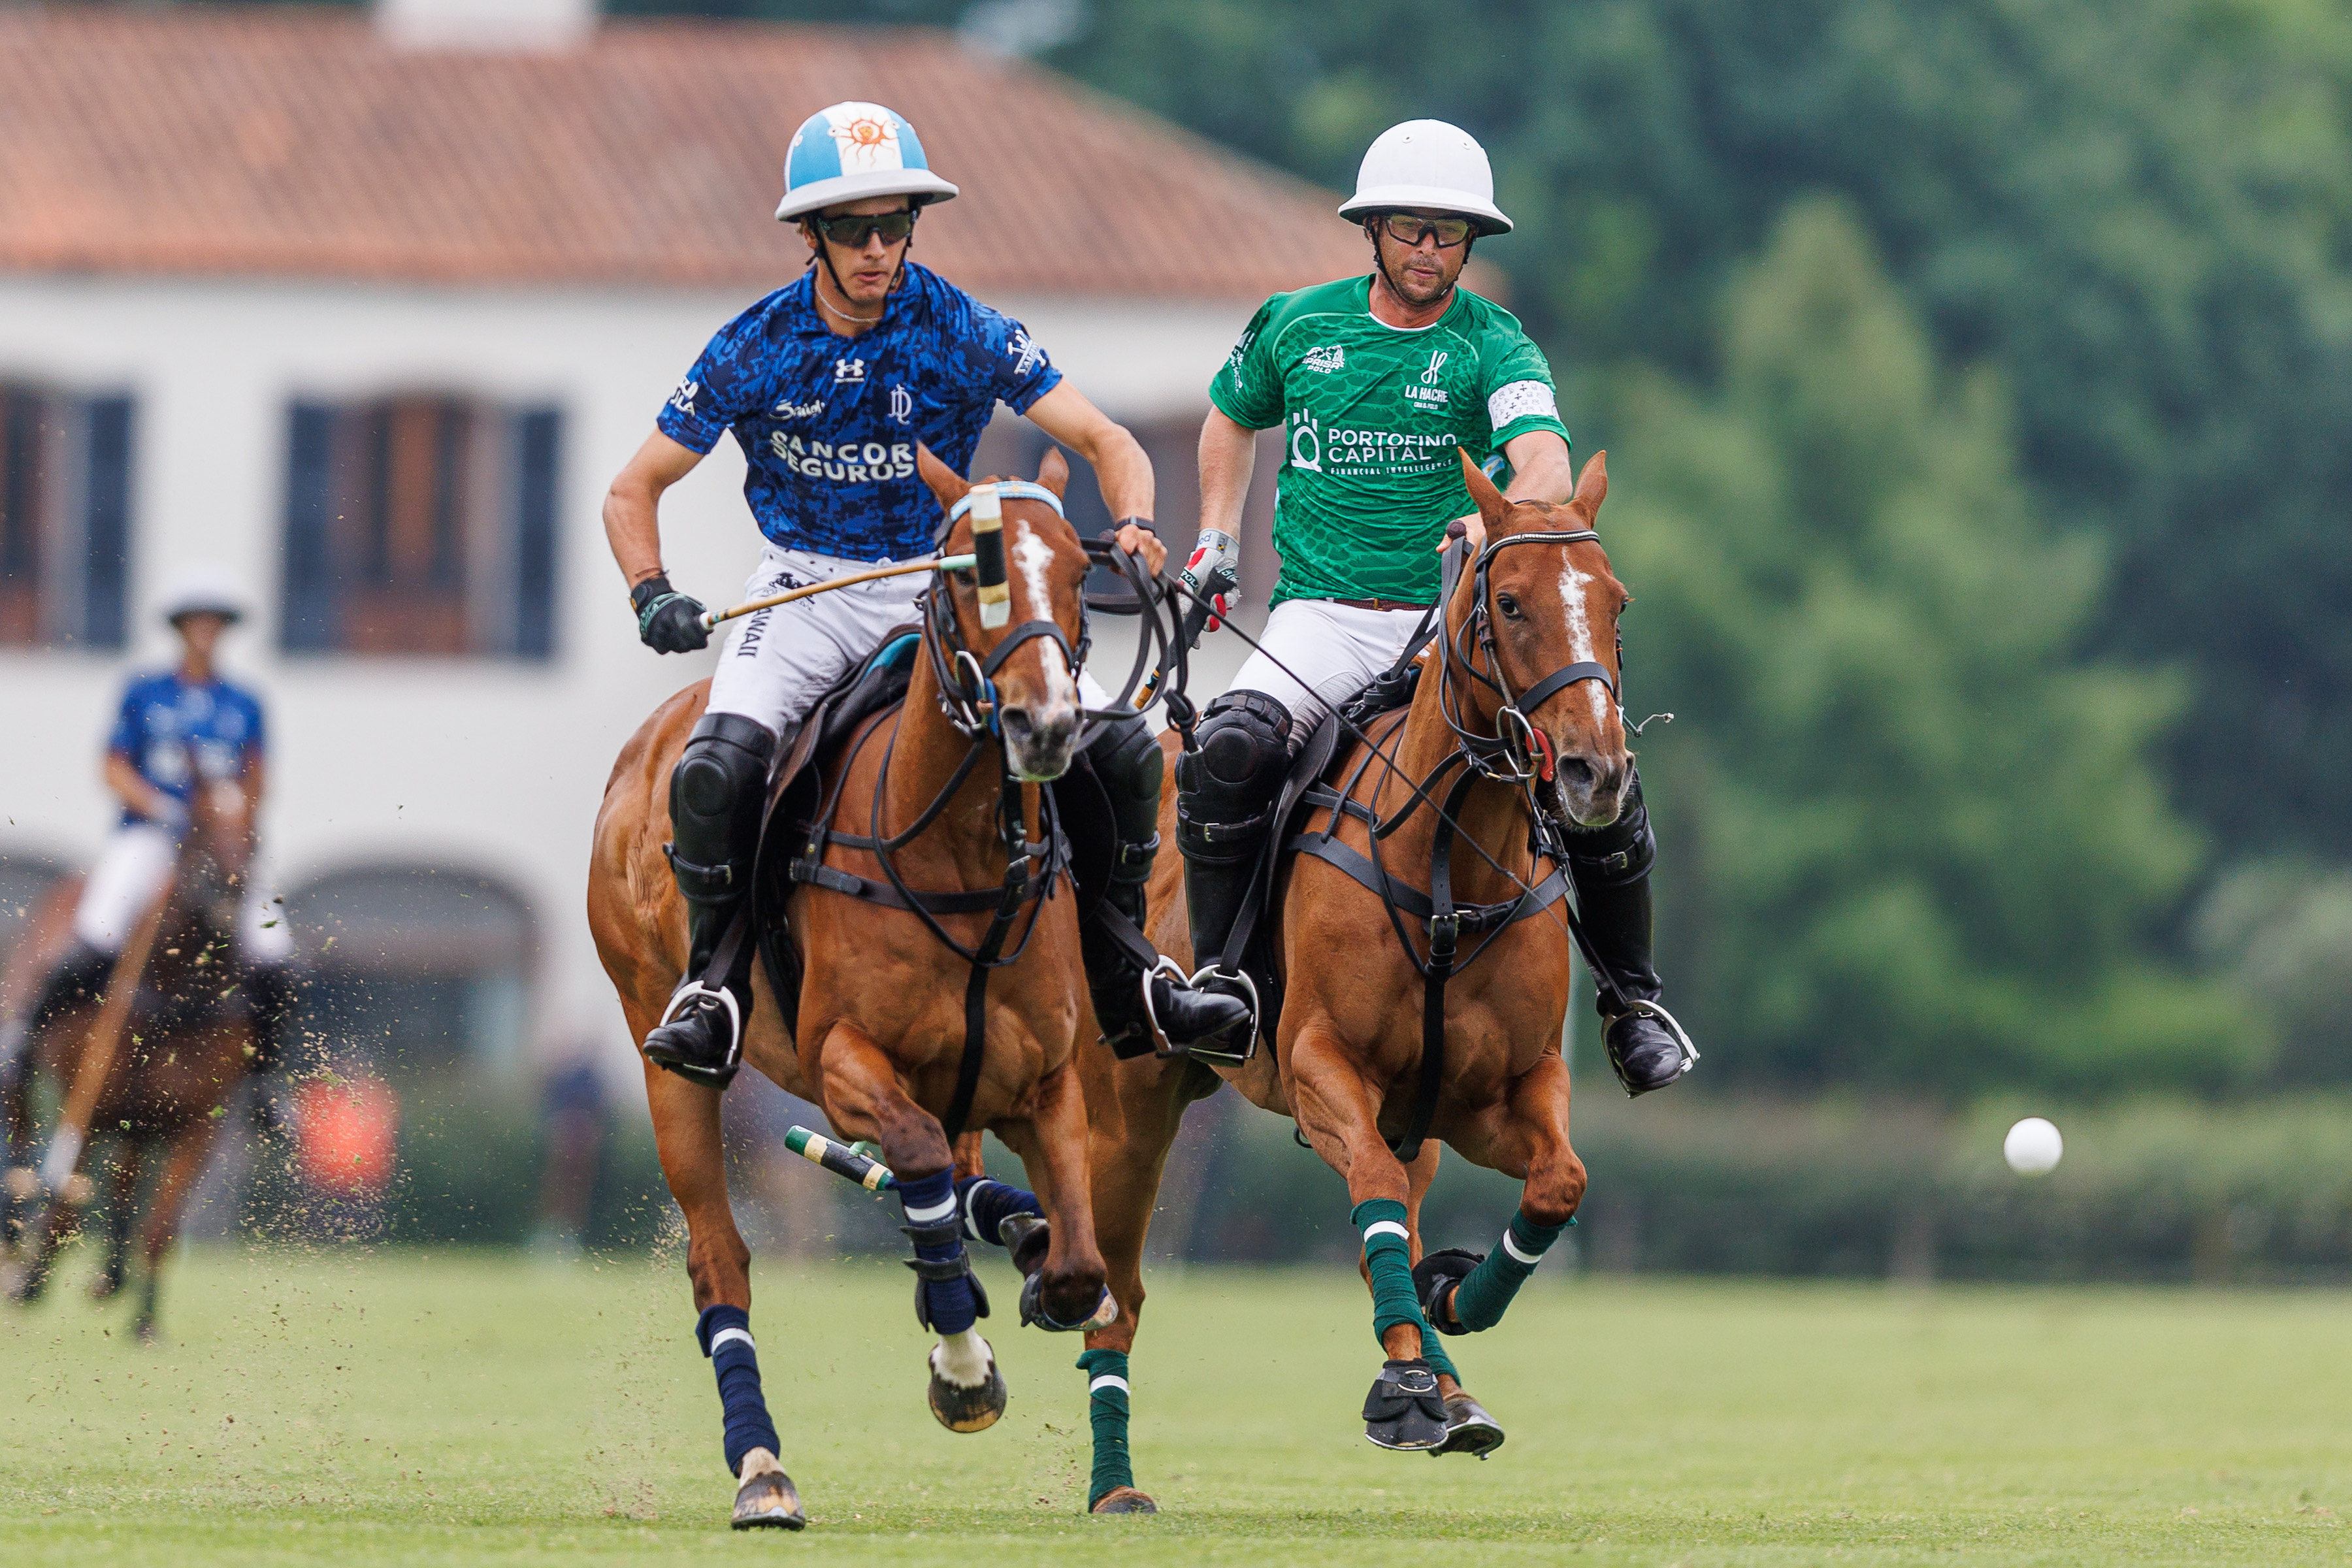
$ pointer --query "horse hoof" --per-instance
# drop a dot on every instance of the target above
(972, 1407)
(1124, 1499)
(766, 1499)
(1403, 1410)
(1468, 1430)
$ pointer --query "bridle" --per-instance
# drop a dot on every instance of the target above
(1518, 752)
(969, 699)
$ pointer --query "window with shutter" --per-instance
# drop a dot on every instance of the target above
(421, 523)
(65, 516)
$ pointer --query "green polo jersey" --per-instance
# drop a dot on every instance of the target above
(1371, 416)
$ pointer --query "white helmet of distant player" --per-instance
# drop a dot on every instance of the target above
(852, 150)
(1431, 166)
(203, 588)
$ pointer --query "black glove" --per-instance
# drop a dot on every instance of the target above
(667, 621)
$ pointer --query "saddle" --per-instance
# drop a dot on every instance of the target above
(801, 785)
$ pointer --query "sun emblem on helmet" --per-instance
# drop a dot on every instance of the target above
(863, 138)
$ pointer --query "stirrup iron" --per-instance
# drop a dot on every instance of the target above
(1213, 1052)
(1636, 1007)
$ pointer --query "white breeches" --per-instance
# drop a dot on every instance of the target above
(130, 876)
(777, 662)
(1335, 649)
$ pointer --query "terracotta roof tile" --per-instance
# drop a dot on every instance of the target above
(298, 144)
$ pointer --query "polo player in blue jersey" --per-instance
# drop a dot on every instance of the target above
(176, 730)
(828, 385)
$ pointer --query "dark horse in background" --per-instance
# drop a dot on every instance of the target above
(148, 1065)
(929, 819)
(1437, 842)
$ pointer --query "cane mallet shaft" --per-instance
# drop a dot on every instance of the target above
(944, 564)
(841, 1158)
(64, 1157)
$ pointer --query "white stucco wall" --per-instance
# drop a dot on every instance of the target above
(497, 766)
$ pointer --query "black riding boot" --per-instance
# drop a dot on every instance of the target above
(1611, 869)
(1225, 794)
(1126, 761)
(715, 795)
(79, 976)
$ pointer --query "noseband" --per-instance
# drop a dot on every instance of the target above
(1511, 754)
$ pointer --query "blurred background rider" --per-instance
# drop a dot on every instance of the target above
(828, 386)
(179, 730)
(1377, 380)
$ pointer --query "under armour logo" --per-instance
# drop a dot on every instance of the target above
(1023, 350)
(848, 370)
(902, 403)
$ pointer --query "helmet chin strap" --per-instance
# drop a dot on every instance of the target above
(825, 254)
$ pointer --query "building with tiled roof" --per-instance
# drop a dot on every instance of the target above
(370, 308)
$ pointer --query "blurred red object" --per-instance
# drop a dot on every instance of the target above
(346, 1134)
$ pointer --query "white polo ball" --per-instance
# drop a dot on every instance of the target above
(2033, 1147)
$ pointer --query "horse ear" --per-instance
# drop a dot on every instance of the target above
(1492, 507)
(946, 483)
(1591, 487)
(1053, 472)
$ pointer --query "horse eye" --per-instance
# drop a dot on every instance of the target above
(1508, 604)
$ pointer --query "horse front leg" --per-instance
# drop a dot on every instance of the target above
(863, 1099)
(1067, 1289)
(1465, 1292)
(122, 1194)
(184, 1166)
(1133, 1112)
(693, 1160)
(1338, 1112)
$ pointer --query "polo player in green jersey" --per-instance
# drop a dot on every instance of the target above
(1376, 382)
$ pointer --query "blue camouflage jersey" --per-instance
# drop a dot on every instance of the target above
(177, 734)
(828, 424)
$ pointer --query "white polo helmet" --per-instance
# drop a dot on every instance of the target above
(1429, 164)
(203, 588)
(852, 151)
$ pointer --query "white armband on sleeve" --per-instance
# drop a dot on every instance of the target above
(1519, 400)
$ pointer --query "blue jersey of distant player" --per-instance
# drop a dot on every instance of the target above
(829, 423)
(178, 734)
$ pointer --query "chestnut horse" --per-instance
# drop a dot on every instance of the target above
(943, 784)
(1538, 618)
(158, 1050)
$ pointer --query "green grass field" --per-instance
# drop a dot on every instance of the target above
(397, 1407)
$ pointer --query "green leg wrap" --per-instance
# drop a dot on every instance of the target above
(1106, 1413)
(1388, 1253)
(1480, 1299)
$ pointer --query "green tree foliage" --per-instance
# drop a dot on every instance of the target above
(1916, 838)
(2140, 209)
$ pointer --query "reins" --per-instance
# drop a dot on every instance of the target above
(1505, 757)
(968, 700)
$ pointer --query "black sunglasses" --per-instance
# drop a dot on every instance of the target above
(1407, 229)
(854, 230)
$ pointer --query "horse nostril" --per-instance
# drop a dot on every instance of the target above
(1016, 724)
(1575, 772)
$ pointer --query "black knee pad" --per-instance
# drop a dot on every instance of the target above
(1616, 855)
(1128, 764)
(1227, 787)
(715, 795)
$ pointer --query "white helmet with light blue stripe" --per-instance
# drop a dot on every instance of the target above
(852, 151)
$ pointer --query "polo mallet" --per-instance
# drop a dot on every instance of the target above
(988, 556)
(848, 1161)
(944, 564)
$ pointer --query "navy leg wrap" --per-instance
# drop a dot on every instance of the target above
(724, 1335)
(987, 1204)
(947, 1304)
